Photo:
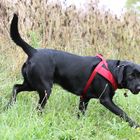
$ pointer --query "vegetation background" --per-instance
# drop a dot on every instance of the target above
(73, 30)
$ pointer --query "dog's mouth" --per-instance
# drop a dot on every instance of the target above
(136, 90)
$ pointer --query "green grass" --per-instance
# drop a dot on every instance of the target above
(59, 119)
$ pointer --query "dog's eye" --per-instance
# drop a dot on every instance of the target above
(130, 76)
(135, 75)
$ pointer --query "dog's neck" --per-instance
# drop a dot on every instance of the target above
(113, 67)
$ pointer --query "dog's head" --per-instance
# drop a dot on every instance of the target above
(128, 76)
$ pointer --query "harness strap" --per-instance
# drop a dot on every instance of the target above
(102, 71)
(104, 61)
(92, 77)
(108, 75)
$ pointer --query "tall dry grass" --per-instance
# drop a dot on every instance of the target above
(72, 30)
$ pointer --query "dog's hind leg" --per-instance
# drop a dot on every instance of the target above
(83, 105)
(16, 89)
(44, 94)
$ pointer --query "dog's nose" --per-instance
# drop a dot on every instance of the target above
(138, 88)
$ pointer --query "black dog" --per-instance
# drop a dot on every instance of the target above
(45, 67)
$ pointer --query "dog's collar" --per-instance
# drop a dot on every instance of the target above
(103, 71)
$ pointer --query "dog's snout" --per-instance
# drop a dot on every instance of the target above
(138, 88)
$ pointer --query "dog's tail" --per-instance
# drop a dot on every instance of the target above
(17, 38)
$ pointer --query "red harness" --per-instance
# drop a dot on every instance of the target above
(102, 71)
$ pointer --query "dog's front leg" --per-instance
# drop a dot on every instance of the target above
(83, 105)
(108, 103)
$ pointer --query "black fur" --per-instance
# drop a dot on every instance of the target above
(45, 67)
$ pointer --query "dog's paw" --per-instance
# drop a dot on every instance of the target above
(9, 105)
(78, 115)
(39, 110)
(137, 127)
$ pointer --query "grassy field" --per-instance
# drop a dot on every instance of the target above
(59, 119)
(95, 32)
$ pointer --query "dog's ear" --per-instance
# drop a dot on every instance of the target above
(120, 73)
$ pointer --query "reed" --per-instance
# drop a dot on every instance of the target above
(70, 29)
